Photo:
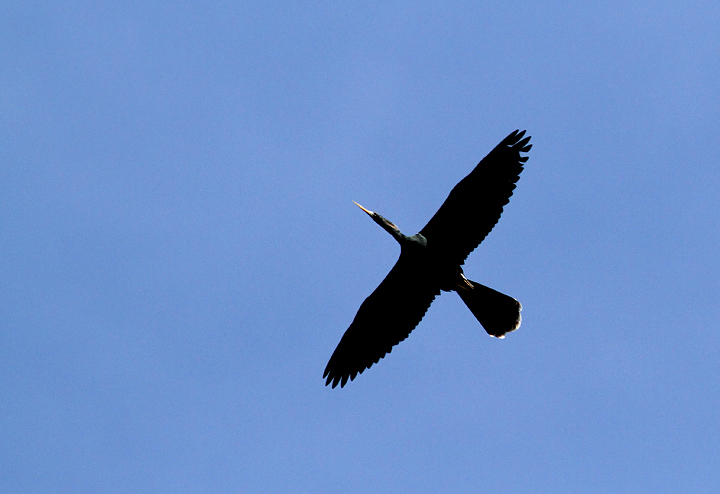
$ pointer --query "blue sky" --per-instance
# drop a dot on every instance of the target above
(180, 255)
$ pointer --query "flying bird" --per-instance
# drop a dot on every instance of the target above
(430, 262)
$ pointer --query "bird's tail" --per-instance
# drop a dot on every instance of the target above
(497, 312)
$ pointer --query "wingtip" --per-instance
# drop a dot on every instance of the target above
(517, 140)
(331, 379)
(341, 379)
(334, 379)
(514, 137)
(523, 145)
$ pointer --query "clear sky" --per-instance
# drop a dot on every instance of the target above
(180, 254)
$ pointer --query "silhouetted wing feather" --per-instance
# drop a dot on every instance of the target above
(384, 319)
(475, 204)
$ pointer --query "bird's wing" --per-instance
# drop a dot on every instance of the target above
(384, 319)
(475, 204)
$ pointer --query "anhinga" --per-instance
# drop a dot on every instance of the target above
(430, 261)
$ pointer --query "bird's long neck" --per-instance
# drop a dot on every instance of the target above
(395, 232)
(391, 228)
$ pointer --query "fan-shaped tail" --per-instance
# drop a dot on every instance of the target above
(498, 313)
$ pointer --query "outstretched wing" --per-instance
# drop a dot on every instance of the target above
(384, 319)
(475, 204)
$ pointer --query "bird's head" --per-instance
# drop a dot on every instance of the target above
(387, 225)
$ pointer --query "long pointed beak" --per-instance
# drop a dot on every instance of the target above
(367, 211)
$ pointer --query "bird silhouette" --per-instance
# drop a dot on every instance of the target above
(430, 262)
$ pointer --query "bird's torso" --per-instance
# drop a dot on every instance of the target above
(431, 266)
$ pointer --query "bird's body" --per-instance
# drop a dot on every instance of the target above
(430, 262)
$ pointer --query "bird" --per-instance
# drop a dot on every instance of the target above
(431, 262)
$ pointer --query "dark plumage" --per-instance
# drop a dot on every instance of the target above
(430, 262)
